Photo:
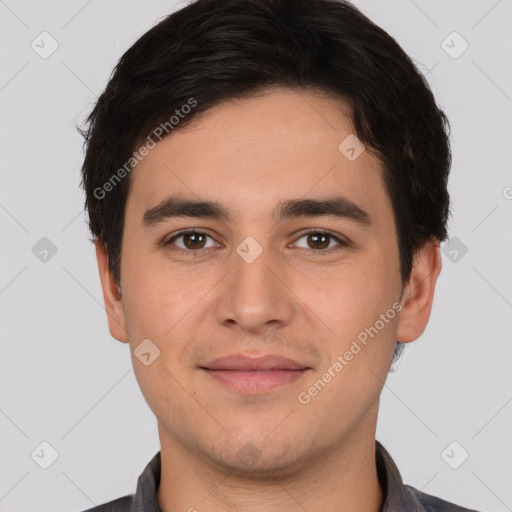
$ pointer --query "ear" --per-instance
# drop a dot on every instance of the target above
(111, 296)
(418, 294)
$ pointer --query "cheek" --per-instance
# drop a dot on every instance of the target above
(350, 296)
(148, 299)
(167, 308)
(351, 306)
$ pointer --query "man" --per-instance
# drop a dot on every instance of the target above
(266, 185)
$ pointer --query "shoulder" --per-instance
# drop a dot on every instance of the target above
(427, 503)
(123, 504)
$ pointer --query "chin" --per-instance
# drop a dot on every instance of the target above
(263, 461)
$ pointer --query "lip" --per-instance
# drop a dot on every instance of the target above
(249, 375)
(242, 362)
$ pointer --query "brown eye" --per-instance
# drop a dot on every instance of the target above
(320, 241)
(194, 240)
(191, 240)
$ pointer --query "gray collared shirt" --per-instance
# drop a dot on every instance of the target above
(397, 496)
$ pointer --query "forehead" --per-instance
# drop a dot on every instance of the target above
(252, 153)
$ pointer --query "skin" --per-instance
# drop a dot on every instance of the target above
(293, 300)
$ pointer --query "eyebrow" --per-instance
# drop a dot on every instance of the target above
(178, 206)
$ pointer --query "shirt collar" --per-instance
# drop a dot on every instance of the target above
(390, 480)
(145, 499)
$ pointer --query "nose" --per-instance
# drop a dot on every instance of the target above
(254, 296)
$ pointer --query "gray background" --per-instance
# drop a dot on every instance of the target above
(65, 381)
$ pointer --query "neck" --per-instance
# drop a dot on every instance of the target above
(342, 478)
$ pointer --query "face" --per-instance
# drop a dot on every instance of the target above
(263, 272)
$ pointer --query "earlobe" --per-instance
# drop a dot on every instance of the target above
(418, 295)
(112, 296)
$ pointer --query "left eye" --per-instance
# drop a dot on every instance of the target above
(320, 240)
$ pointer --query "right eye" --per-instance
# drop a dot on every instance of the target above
(192, 241)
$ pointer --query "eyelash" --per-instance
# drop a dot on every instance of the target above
(199, 252)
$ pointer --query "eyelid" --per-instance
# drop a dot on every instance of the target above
(335, 236)
(341, 242)
(201, 231)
